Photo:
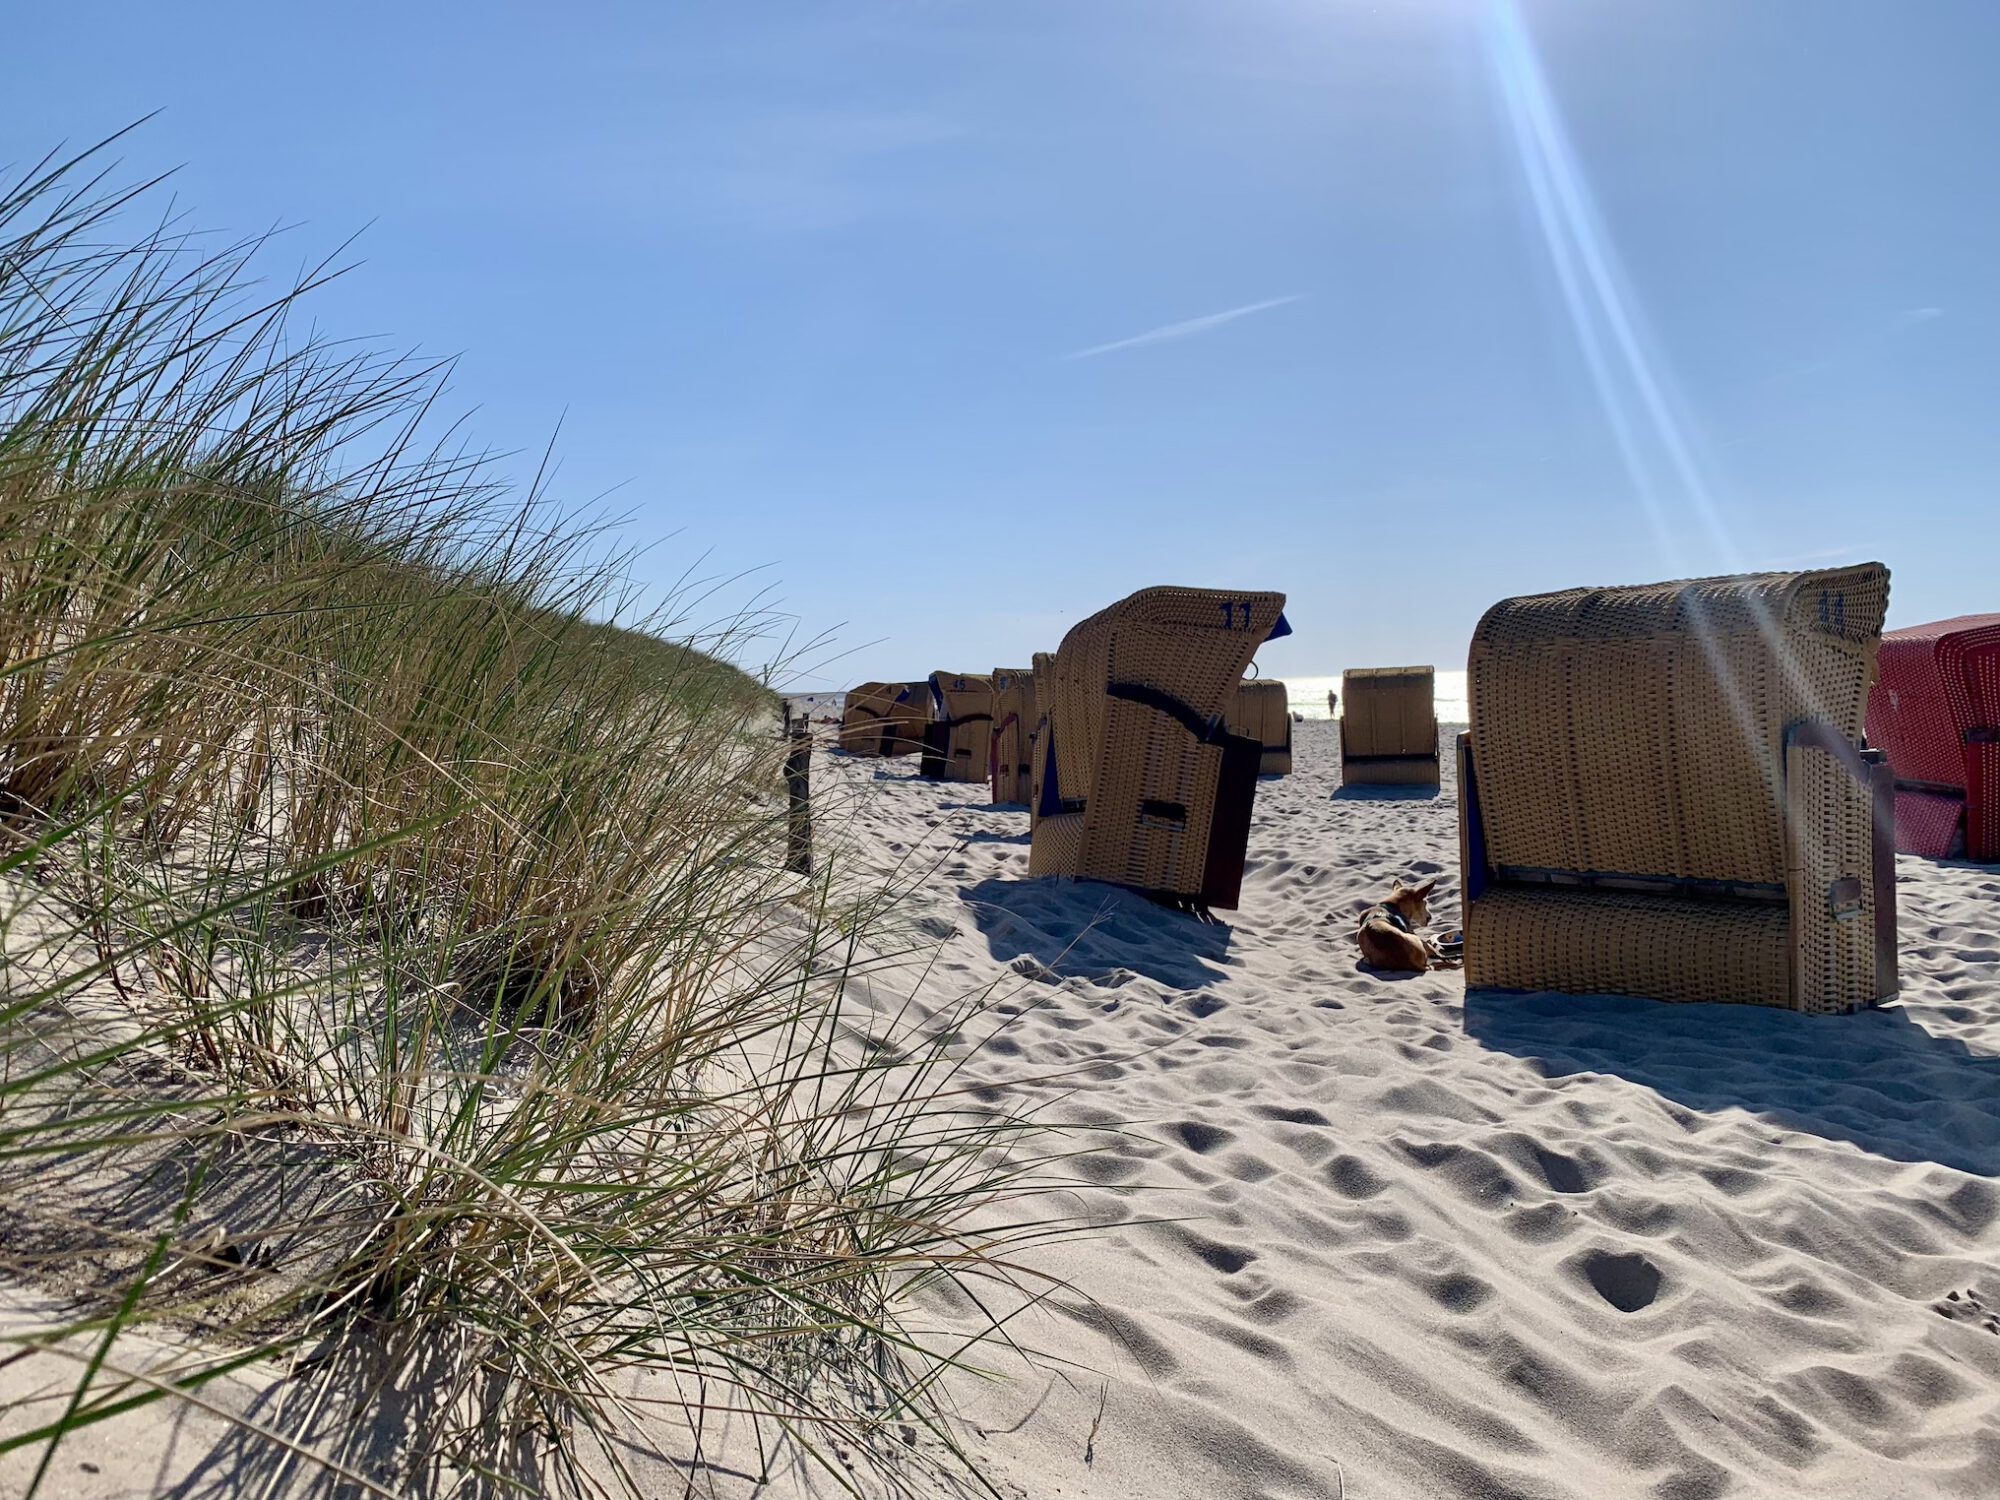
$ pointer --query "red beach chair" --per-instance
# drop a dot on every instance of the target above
(1936, 711)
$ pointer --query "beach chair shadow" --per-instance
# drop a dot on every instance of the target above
(1088, 930)
(983, 837)
(1877, 1079)
(1366, 793)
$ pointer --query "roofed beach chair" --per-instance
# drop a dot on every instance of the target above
(1263, 712)
(1139, 781)
(1013, 730)
(1662, 793)
(909, 721)
(959, 740)
(885, 718)
(1389, 731)
(1044, 675)
(1935, 711)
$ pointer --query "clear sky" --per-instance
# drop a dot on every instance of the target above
(962, 318)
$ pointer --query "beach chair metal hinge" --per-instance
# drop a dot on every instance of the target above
(1843, 898)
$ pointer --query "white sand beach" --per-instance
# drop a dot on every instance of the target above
(1352, 1234)
(1359, 1235)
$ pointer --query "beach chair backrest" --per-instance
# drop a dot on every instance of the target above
(1013, 731)
(1038, 737)
(1138, 699)
(962, 724)
(862, 715)
(1642, 732)
(1263, 712)
(1389, 711)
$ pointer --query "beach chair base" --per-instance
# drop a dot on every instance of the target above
(1390, 770)
(1824, 942)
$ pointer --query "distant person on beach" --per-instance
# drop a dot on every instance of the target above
(1332, 704)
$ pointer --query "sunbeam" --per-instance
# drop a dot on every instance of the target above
(1631, 382)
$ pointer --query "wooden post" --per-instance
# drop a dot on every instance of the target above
(798, 782)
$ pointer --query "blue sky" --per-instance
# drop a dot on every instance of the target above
(960, 320)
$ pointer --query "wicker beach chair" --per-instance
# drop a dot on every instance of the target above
(1013, 730)
(885, 718)
(1138, 780)
(1661, 793)
(1263, 712)
(1389, 732)
(1935, 712)
(959, 739)
(1044, 675)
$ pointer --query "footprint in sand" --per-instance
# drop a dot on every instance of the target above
(1351, 1178)
(1292, 1115)
(1628, 1281)
(1202, 1138)
(1967, 1307)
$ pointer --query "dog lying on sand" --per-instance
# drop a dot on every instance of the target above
(1389, 935)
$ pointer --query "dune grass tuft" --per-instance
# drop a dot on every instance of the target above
(403, 990)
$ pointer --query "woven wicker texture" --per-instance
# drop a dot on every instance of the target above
(1936, 711)
(1043, 674)
(963, 703)
(1388, 727)
(1930, 824)
(1654, 820)
(1642, 730)
(1829, 835)
(1613, 943)
(861, 717)
(1263, 712)
(885, 718)
(1013, 728)
(1136, 792)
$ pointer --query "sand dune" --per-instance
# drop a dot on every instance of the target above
(1361, 1234)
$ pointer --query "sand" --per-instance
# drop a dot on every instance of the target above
(1359, 1234)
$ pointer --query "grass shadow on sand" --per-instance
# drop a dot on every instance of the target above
(1877, 1079)
(1083, 929)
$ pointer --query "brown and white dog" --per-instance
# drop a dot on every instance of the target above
(1388, 932)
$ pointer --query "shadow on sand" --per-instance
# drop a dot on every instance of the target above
(1081, 929)
(1877, 1079)
(1364, 793)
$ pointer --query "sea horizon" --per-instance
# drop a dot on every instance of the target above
(1305, 694)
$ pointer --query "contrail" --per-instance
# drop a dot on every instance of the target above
(1187, 329)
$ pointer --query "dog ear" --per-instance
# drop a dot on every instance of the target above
(1422, 890)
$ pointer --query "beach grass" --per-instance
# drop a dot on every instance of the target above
(404, 989)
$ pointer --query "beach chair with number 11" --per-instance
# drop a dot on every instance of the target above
(1139, 780)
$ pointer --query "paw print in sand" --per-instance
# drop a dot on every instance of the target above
(1967, 1307)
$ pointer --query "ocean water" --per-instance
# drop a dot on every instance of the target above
(1307, 695)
